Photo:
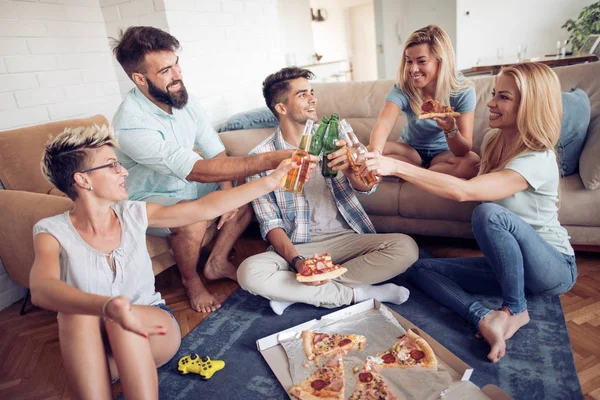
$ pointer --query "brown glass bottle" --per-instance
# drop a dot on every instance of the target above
(294, 182)
(356, 154)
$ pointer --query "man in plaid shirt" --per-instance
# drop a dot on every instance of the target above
(325, 217)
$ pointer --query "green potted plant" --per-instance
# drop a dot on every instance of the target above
(587, 23)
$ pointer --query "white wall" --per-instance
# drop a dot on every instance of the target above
(330, 37)
(54, 62)
(229, 47)
(296, 31)
(491, 25)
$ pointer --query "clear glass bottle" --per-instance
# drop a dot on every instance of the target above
(294, 182)
(356, 154)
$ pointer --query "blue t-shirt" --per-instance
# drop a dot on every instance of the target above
(425, 134)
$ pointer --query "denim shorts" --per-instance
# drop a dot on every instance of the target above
(428, 155)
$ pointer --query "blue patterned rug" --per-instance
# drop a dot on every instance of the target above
(538, 365)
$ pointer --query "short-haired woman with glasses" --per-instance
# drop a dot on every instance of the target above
(92, 265)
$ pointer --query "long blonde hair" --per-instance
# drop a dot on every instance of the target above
(449, 81)
(538, 116)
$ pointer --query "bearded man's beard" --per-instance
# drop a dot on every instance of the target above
(174, 99)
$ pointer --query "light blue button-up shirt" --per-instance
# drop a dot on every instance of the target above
(157, 148)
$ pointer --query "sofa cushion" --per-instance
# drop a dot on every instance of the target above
(253, 119)
(578, 206)
(574, 124)
(21, 152)
(415, 202)
(21, 211)
(239, 143)
(584, 76)
(385, 199)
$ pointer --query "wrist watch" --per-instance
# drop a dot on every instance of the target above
(294, 260)
(452, 134)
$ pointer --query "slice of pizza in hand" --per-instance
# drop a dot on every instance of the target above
(320, 345)
(411, 351)
(434, 109)
(326, 383)
(319, 268)
(371, 386)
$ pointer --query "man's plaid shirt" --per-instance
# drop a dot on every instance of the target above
(290, 211)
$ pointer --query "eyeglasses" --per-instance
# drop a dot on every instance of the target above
(116, 165)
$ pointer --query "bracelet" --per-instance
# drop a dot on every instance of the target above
(294, 260)
(104, 308)
(452, 133)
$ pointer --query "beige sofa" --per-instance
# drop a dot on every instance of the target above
(402, 207)
(29, 197)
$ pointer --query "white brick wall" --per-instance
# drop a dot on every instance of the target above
(50, 53)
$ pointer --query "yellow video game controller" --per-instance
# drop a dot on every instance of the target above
(205, 367)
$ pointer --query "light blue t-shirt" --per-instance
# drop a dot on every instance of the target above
(157, 148)
(537, 205)
(425, 134)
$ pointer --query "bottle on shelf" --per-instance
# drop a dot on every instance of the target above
(356, 154)
(294, 181)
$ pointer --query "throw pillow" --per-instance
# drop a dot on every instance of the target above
(253, 119)
(573, 129)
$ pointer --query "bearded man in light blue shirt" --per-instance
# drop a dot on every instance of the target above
(173, 154)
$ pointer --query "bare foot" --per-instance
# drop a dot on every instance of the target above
(492, 328)
(515, 322)
(219, 269)
(200, 298)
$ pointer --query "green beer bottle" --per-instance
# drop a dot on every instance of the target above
(317, 141)
(329, 145)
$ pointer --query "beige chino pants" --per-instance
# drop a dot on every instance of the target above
(369, 258)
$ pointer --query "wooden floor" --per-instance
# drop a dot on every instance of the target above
(31, 366)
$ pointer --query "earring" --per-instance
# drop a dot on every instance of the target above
(91, 188)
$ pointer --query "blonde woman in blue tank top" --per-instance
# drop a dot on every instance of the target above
(92, 265)
(427, 72)
(525, 249)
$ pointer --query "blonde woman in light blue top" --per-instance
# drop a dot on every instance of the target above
(92, 265)
(526, 250)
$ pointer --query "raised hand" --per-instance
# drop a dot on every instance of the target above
(446, 124)
(379, 164)
(277, 177)
(338, 160)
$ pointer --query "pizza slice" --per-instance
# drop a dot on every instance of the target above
(371, 386)
(434, 109)
(319, 345)
(411, 351)
(326, 383)
(319, 268)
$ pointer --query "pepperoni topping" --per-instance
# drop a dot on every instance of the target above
(306, 271)
(400, 337)
(365, 377)
(428, 106)
(344, 342)
(417, 354)
(388, 358)
(318, 384)
(318, 337)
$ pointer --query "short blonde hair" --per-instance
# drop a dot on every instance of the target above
(538, 116)
(449, 81)
(67, 154)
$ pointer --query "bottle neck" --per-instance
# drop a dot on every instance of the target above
(305, 142)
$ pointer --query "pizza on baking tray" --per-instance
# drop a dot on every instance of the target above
(434, 109)
(371, 386)
(318, 345)
(319, 268)
(326, 383)
(409, 352)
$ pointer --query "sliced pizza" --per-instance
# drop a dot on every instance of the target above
(371, 386)
(320, 345)
(319, 268)
(326, 383)
(409, 352)
(435, 109)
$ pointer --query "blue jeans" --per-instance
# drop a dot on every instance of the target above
(516, 261)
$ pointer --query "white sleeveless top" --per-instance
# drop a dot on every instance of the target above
(87, 269)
